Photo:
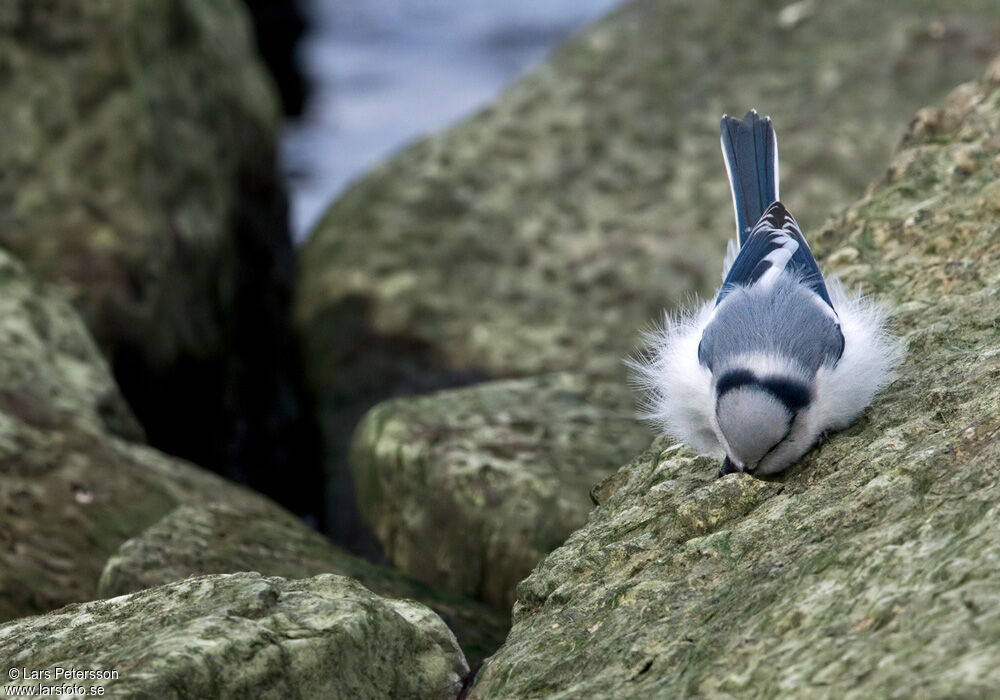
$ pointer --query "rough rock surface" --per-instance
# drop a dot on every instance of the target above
(872, 568)
(244, 635)
(220, 538)
(543, 232)
(138, 174)
(72, 485)
(468, 489)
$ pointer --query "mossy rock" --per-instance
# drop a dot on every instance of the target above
(244, 635)
(868, 569)
(543, 232)
(139, 176)
(74, 484)
(467, 489)
(220, 538)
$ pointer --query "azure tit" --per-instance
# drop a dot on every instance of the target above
(780, 356)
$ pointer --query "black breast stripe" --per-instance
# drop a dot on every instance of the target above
(792, 394)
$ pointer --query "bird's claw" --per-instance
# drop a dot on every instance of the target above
(727, 468)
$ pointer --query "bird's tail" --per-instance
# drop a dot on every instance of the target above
(750, 148)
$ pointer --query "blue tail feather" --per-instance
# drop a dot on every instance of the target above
(751, 152)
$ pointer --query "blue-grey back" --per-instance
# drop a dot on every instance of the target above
(781, 318)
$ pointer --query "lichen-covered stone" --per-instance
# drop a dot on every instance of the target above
(219, 538)
(72, 484)
(139, 176)
(468, 489)
(244, 635)
(870, 569)
(543, 232)
(51, 371)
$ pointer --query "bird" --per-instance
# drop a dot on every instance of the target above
(780, 357)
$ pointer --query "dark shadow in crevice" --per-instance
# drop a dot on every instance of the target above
(365, 368)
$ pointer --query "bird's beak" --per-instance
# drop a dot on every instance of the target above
(728, 467)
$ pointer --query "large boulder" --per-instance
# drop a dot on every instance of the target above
(139, 175)
(73, 484)
(870, 569)
(242, 635)
(220, 538)
(468, 489)
(543, 232)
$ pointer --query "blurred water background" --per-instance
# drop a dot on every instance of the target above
(384, 72)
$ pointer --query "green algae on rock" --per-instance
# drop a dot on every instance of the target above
(139, 176)
(871, 568)
(245, 635)
(51, 370)
(72, 485)
(468, 489)
(220, 538)
(542, 233)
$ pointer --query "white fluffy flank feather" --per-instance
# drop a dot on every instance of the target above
(871, 355)
(676, 389)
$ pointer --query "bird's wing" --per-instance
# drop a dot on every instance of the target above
(775, 245)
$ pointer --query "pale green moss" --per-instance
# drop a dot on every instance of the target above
(468, 489)
(71, 491)
(244, 635)
(222, 538)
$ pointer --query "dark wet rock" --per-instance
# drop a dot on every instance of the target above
(279, 26)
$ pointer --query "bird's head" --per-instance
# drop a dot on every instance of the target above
(763, 422)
